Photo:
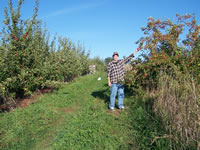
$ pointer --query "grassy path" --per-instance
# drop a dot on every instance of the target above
(75, 117)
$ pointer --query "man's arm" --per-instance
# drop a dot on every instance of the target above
(108, 74)
(109, 83)
(127, 59)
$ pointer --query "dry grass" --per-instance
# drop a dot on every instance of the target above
(177, 101)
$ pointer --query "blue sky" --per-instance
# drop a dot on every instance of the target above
(103, 26)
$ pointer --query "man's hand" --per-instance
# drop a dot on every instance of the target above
(138, 49)
(109, 84)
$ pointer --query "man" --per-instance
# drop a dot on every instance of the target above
(115, 73)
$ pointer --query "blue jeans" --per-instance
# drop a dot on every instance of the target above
(114, 89)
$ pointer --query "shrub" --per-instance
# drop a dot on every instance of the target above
(100, 64)
(28, 61)
(169, 74)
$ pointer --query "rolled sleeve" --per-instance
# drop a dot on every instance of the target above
(127, 59)
(108, 70)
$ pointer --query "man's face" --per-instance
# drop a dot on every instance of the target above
(115, 57)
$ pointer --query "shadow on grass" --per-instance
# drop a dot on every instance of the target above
(105, 94)
(102, 94)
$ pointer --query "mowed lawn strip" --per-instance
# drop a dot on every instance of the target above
(74, 117)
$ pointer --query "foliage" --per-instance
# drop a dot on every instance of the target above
(107, 60)
(72, 61)
(29, 61)
(100, 65)
(168, 61)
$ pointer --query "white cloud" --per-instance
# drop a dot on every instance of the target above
(66, 11)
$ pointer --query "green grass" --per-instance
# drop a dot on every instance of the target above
(147, 127)
(74, 117)
(77, 117)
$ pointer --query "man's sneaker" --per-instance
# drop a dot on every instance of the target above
(112, 109)
(122, 108)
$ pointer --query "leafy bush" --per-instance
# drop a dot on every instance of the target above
(28, 61)
(100, 64)
(72, 61)
(169, 73)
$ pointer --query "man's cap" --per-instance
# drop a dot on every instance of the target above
(115, 53)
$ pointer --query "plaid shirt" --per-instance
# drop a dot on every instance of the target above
(115, 70)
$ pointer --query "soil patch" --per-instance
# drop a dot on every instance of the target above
(115, 113)
(24, 102)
